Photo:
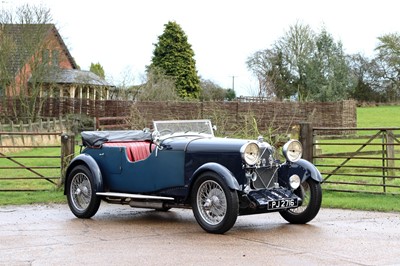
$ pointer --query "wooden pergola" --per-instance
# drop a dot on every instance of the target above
(76, 84)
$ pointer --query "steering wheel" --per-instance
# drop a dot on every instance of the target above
(166, 131)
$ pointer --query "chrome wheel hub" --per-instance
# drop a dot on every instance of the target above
(211, 200)
(81, 191)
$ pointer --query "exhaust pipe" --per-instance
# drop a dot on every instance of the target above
(146, 204)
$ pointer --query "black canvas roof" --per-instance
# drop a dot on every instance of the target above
(97, 138)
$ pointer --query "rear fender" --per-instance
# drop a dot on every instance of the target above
(91, 164)
(302, 168)
(219, 169)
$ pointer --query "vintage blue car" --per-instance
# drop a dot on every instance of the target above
(181, 164)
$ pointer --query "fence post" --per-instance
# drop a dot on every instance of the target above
(67, 153)
(390, 153)
(306, 139)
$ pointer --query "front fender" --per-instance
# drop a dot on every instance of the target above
(87, 160)
(221, 170)
(302, 168)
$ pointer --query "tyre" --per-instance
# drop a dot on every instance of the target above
(81, 195)
(311, 194)
(215, 205)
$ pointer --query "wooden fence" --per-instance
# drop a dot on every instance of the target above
(73, 124)
(281, 116)
(43, 125)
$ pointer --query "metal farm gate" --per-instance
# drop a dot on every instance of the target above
(31, 161)
(358, 159)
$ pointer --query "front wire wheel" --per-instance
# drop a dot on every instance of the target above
(311, 193)
(215, 205)
(81, 196)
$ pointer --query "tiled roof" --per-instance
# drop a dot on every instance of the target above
(32, 35)
(74, 76)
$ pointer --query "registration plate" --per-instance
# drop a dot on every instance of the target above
(282, 204)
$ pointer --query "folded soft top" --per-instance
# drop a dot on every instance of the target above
(97, 138)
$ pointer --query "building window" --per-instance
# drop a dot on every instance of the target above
(54, 57)
(46, 56)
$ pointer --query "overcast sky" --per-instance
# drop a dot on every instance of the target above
(120, 34)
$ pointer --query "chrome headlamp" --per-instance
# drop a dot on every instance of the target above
(292, 150)
(250, 153)
(294, 181)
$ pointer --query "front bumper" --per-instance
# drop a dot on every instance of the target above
(269, 200)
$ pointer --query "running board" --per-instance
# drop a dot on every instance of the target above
(132, 196)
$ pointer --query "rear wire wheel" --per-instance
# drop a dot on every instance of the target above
(215, 205)
(81, 194)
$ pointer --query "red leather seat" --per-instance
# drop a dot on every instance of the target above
(135, 150)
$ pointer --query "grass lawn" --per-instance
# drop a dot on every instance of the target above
(47, 192)
(21, 198)
(367, 117)
(378, 116)
(361, 201)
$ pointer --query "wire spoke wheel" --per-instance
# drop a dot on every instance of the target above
(212, 202)
(215, 205)
(311, 194)
(305, 194)
(81, 196)
(81, 191)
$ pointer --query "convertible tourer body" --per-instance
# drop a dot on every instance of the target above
(181, 164)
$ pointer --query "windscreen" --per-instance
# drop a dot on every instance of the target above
(184, 127)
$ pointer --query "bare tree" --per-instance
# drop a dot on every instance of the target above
(158, 87)
(266, 65)
(211, 91)
(24, 59)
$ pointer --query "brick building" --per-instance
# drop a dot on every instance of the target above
(34, 61)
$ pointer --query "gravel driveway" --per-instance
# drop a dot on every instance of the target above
(120, 235)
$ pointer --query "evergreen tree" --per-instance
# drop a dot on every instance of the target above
(328, 72)
(97, 69)
(174, 56)
(230, 95)
(388, 62)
